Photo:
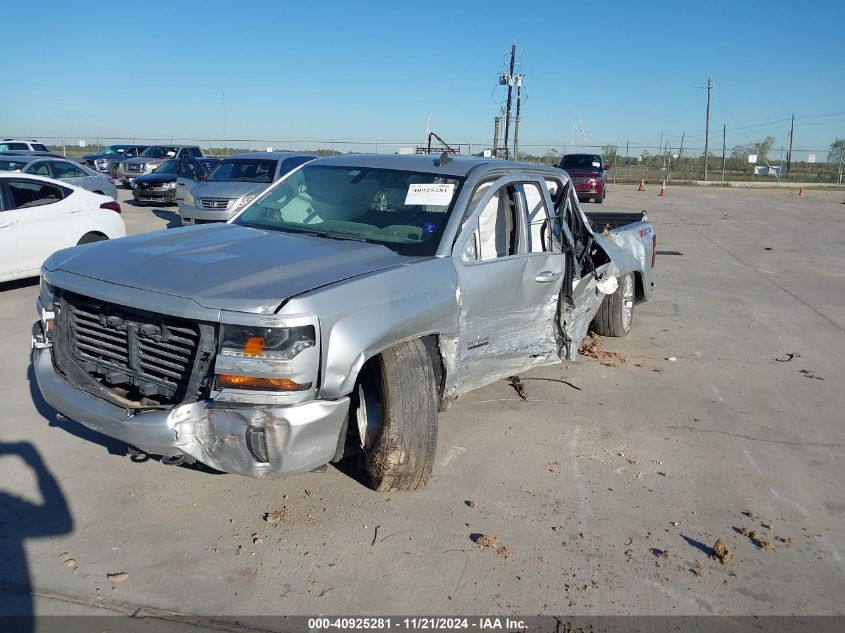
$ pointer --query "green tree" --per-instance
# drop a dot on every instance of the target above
(761, 148)
(837, 151)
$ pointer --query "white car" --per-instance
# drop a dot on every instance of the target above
(39, 216)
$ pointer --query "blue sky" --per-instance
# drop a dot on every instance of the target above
(375, 70)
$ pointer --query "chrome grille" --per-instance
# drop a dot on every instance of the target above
(133, 167)
(580, 180)
(153, 353)
(215, 203)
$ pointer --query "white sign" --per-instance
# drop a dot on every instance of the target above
(488, 153)
(268, 149)
(435, 195)
(82, 143)
(752, 158)
(639, 158)
(811, 158)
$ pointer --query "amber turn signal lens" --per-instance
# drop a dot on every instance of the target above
(265, 384)
(254, 346)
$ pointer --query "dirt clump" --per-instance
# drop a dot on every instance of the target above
(504, 551)
(591, 346)
(553, 467)
(786, 541)
(472, 503)
(275, 517)
(118, 577)
(485, 540)
(721, 552)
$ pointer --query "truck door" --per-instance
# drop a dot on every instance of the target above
(509, 280)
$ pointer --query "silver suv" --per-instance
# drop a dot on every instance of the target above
(152, 157)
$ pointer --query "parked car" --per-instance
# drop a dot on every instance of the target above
(111, 156)
(233, 184)
(336, 313)
(40, 215)
(588, 173)
(60, 169)
(16, 144)
(159, 187)
(151, 158)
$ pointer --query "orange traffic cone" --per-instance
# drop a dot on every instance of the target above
(662, 193)
(642, 185)
(801, 191)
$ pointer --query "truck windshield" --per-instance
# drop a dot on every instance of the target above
(589, 162)
(403, 210)
(244, 170)
(158, 151)
(111, 150)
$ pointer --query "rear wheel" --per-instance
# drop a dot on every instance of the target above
(396, 415)
(113, 171)
(91, 237)
(616, 311)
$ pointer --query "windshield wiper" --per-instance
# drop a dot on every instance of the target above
(322, 234)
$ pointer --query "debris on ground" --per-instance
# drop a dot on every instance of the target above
(118, 577)
(256, 539)
(787, 541)
(697, 569)
(504, 551)
(277, 516)
(721, 552)
(485, 540)
(749, 514)
(472, 503)
(672, 359)
(789, 357)
(519, 387)
(591, 346)
(809, 374)
(553, 467)
(308, 493)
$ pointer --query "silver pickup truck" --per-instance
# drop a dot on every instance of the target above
(337, 313)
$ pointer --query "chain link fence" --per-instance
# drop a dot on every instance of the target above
(628, 163)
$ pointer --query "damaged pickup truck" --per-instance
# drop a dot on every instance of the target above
(336, 314)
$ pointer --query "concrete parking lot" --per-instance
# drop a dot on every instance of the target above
(721, 417)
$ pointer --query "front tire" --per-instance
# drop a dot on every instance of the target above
(397, 392)
(616, 311)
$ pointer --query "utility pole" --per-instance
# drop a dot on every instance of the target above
(789, 153)
(516, 120)
(496, 124)
(707, 125)
(724, 136)
(509, 80)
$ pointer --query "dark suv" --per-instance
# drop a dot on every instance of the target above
(588, 173)
(108, 160)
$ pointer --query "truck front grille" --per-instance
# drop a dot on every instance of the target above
(135, 354)
(133, 167)
(215, 203)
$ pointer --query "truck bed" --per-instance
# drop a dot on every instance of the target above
(614, 219)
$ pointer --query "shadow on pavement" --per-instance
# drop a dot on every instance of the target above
(20, 520)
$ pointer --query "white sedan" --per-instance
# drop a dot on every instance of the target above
(39, 216)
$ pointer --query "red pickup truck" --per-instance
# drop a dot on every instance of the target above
(588, 175)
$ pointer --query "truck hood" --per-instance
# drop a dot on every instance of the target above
(225, 266)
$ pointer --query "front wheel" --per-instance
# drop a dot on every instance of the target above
(616, 311)
(397, 418)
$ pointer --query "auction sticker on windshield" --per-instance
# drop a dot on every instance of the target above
(429, 194)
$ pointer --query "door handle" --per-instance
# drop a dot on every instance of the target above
(546, 276)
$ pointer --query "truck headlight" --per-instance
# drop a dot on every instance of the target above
(46, 294)
(169, 185)
(267, 359)
(189, 199)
